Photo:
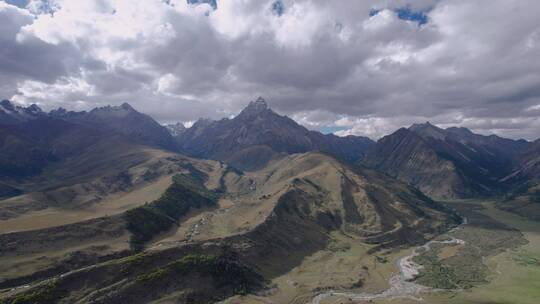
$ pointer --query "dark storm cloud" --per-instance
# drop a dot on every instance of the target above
(28, 58)
(31, 57)
(117, 80)
(359, 67)
(197, 55)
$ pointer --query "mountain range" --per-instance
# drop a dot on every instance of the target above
(248, 141)
(257, 135)
(447, 163)
(124, 120)
(443, 163)
(104, 199)
(32, 140)
(524, 195)
(120, 209)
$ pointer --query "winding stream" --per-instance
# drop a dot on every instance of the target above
(401, 285)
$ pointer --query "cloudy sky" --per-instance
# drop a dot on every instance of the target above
(349, 66)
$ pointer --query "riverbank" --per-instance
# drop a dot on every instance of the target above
(402, 285)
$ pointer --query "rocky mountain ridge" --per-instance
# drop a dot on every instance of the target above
(258, 134)
(13, 114)
(447, 163)
(443, 163)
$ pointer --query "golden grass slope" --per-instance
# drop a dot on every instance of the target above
(298, 212)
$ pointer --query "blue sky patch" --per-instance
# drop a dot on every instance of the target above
(278, 8)
(374, 12)
(406, 13)
(332, 129)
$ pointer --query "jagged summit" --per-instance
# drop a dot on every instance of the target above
(258, 134)
(176, 129)
(34, 108)
(58, 112)
(6, 103)
(123, 119)
(202, 122)
(260, 101)
(428, 130)
(11, 113)
(126, 106)
(9, 106)
(255, 107)
(420, 126)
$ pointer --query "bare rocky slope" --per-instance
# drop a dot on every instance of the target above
(447, 163)
(524, 196)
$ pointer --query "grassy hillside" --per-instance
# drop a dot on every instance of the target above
(193, 275)
(264, 225)
(46, 233)
(185, 193)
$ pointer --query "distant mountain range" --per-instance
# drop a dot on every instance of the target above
(108, 197)
(124, 120)
(257, 135)
(443, 163)
(524, 195)
(248, 141)
(446, 163)
(12, 114)
(31, 140)
(121, 119)
(176, 129)
(81, 188)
